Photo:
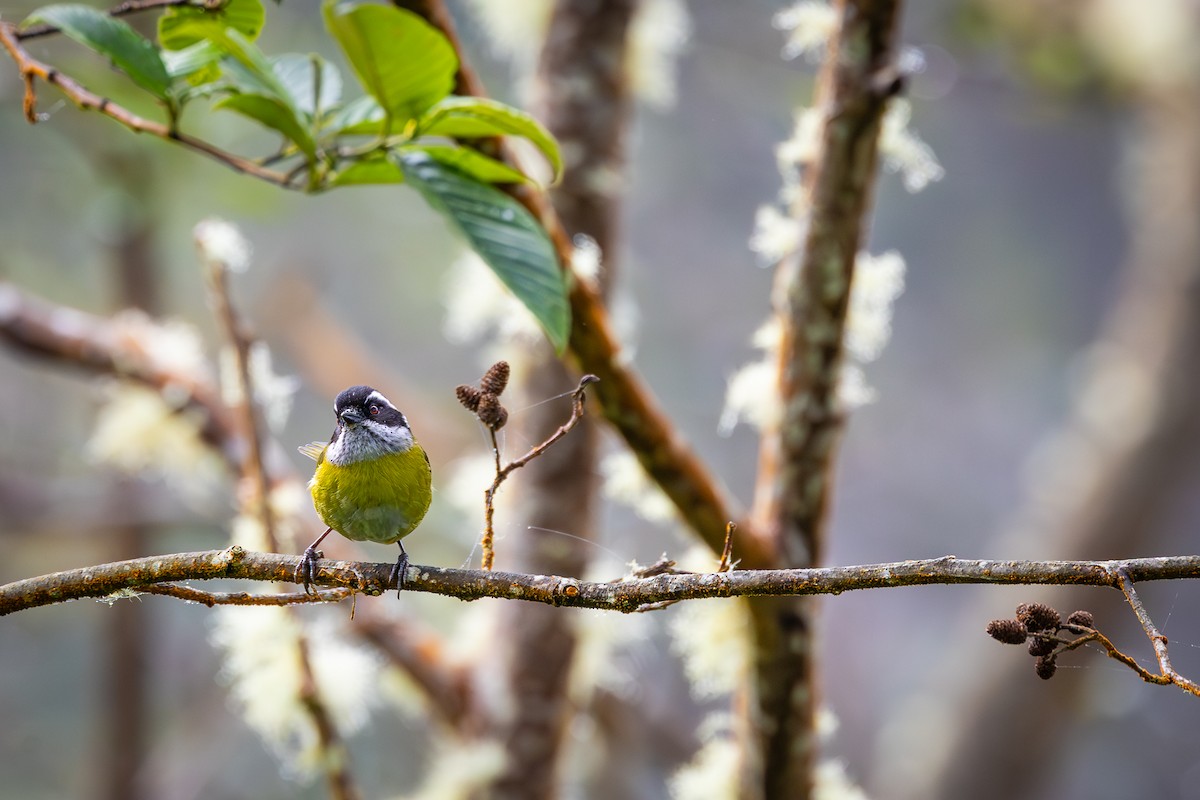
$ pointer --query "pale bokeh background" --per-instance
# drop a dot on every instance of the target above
(1012, 262)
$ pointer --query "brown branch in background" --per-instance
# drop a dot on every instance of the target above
(336, 758)
(104, 346)
(239, 340)
(486, 405)
(123, 10)
(31, 68)
(419, 653)
(624, 398)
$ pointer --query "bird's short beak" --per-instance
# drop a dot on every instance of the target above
(351, 416)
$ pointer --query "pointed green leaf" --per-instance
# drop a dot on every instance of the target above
(274, 114)
(182, 26)
(472, 162)
(400, 59)
(360, 117)
(312, 82)
(197, 61)
(128, 50)
(503, 233)
(368, 171)
(475, 117)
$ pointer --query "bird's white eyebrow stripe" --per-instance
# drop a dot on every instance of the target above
(376, 397)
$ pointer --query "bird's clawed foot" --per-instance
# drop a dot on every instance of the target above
(397, 576)
(308, 568)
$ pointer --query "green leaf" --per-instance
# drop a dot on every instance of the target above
(128, 50)
(197, 63)
(360, 117)
(182, 26)
(246, 66)
(305, 76)
(475, 117)
(400, 59)
(471, 162)
(503, 233)
(372, 170)
(273, 113)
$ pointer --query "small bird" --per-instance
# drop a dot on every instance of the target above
(372, 482)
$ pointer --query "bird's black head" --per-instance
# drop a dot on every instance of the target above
(360, 404)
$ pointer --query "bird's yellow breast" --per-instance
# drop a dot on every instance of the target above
(378, 500)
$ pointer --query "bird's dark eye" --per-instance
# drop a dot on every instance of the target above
(374, 411)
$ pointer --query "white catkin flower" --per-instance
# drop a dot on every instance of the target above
(903, 150)
(273, 393)
(140, 434)
(626, 482)
(479, 305)
(830, 782)
(220, 242)
(457, 771)
(172, 346)
(659, 35)
(802, 146)
(599, 636)
(712, 639)
(878, 281)
(810, 25)
(775, 236)
(853, 391)
(752, 395)
(711, 774)
(263, 671)
(587, 260)
(511, 26)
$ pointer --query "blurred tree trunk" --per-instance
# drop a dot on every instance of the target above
(125, 676)
(581, 95)
(1118, 462)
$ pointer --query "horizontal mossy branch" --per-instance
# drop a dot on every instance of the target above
(625, 595)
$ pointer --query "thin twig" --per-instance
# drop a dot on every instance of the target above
(727, 551)
(489, 507)
(336, 760)
(1157, 639)
(253, 467)
(31, 68)
(125, 9)
(211, 599)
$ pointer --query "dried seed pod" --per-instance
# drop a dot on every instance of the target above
(1009, 631)
(491, 413)
(1045, 667)
(1083, 619)
(1039, 646)
(1038, 616)
(495, 379)
(468, 396)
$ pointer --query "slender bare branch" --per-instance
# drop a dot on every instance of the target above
(31, 68)
(210, 599)
(626, 595)
(489, 507)
(125, 9)
(1168, 673)
(253, 468)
